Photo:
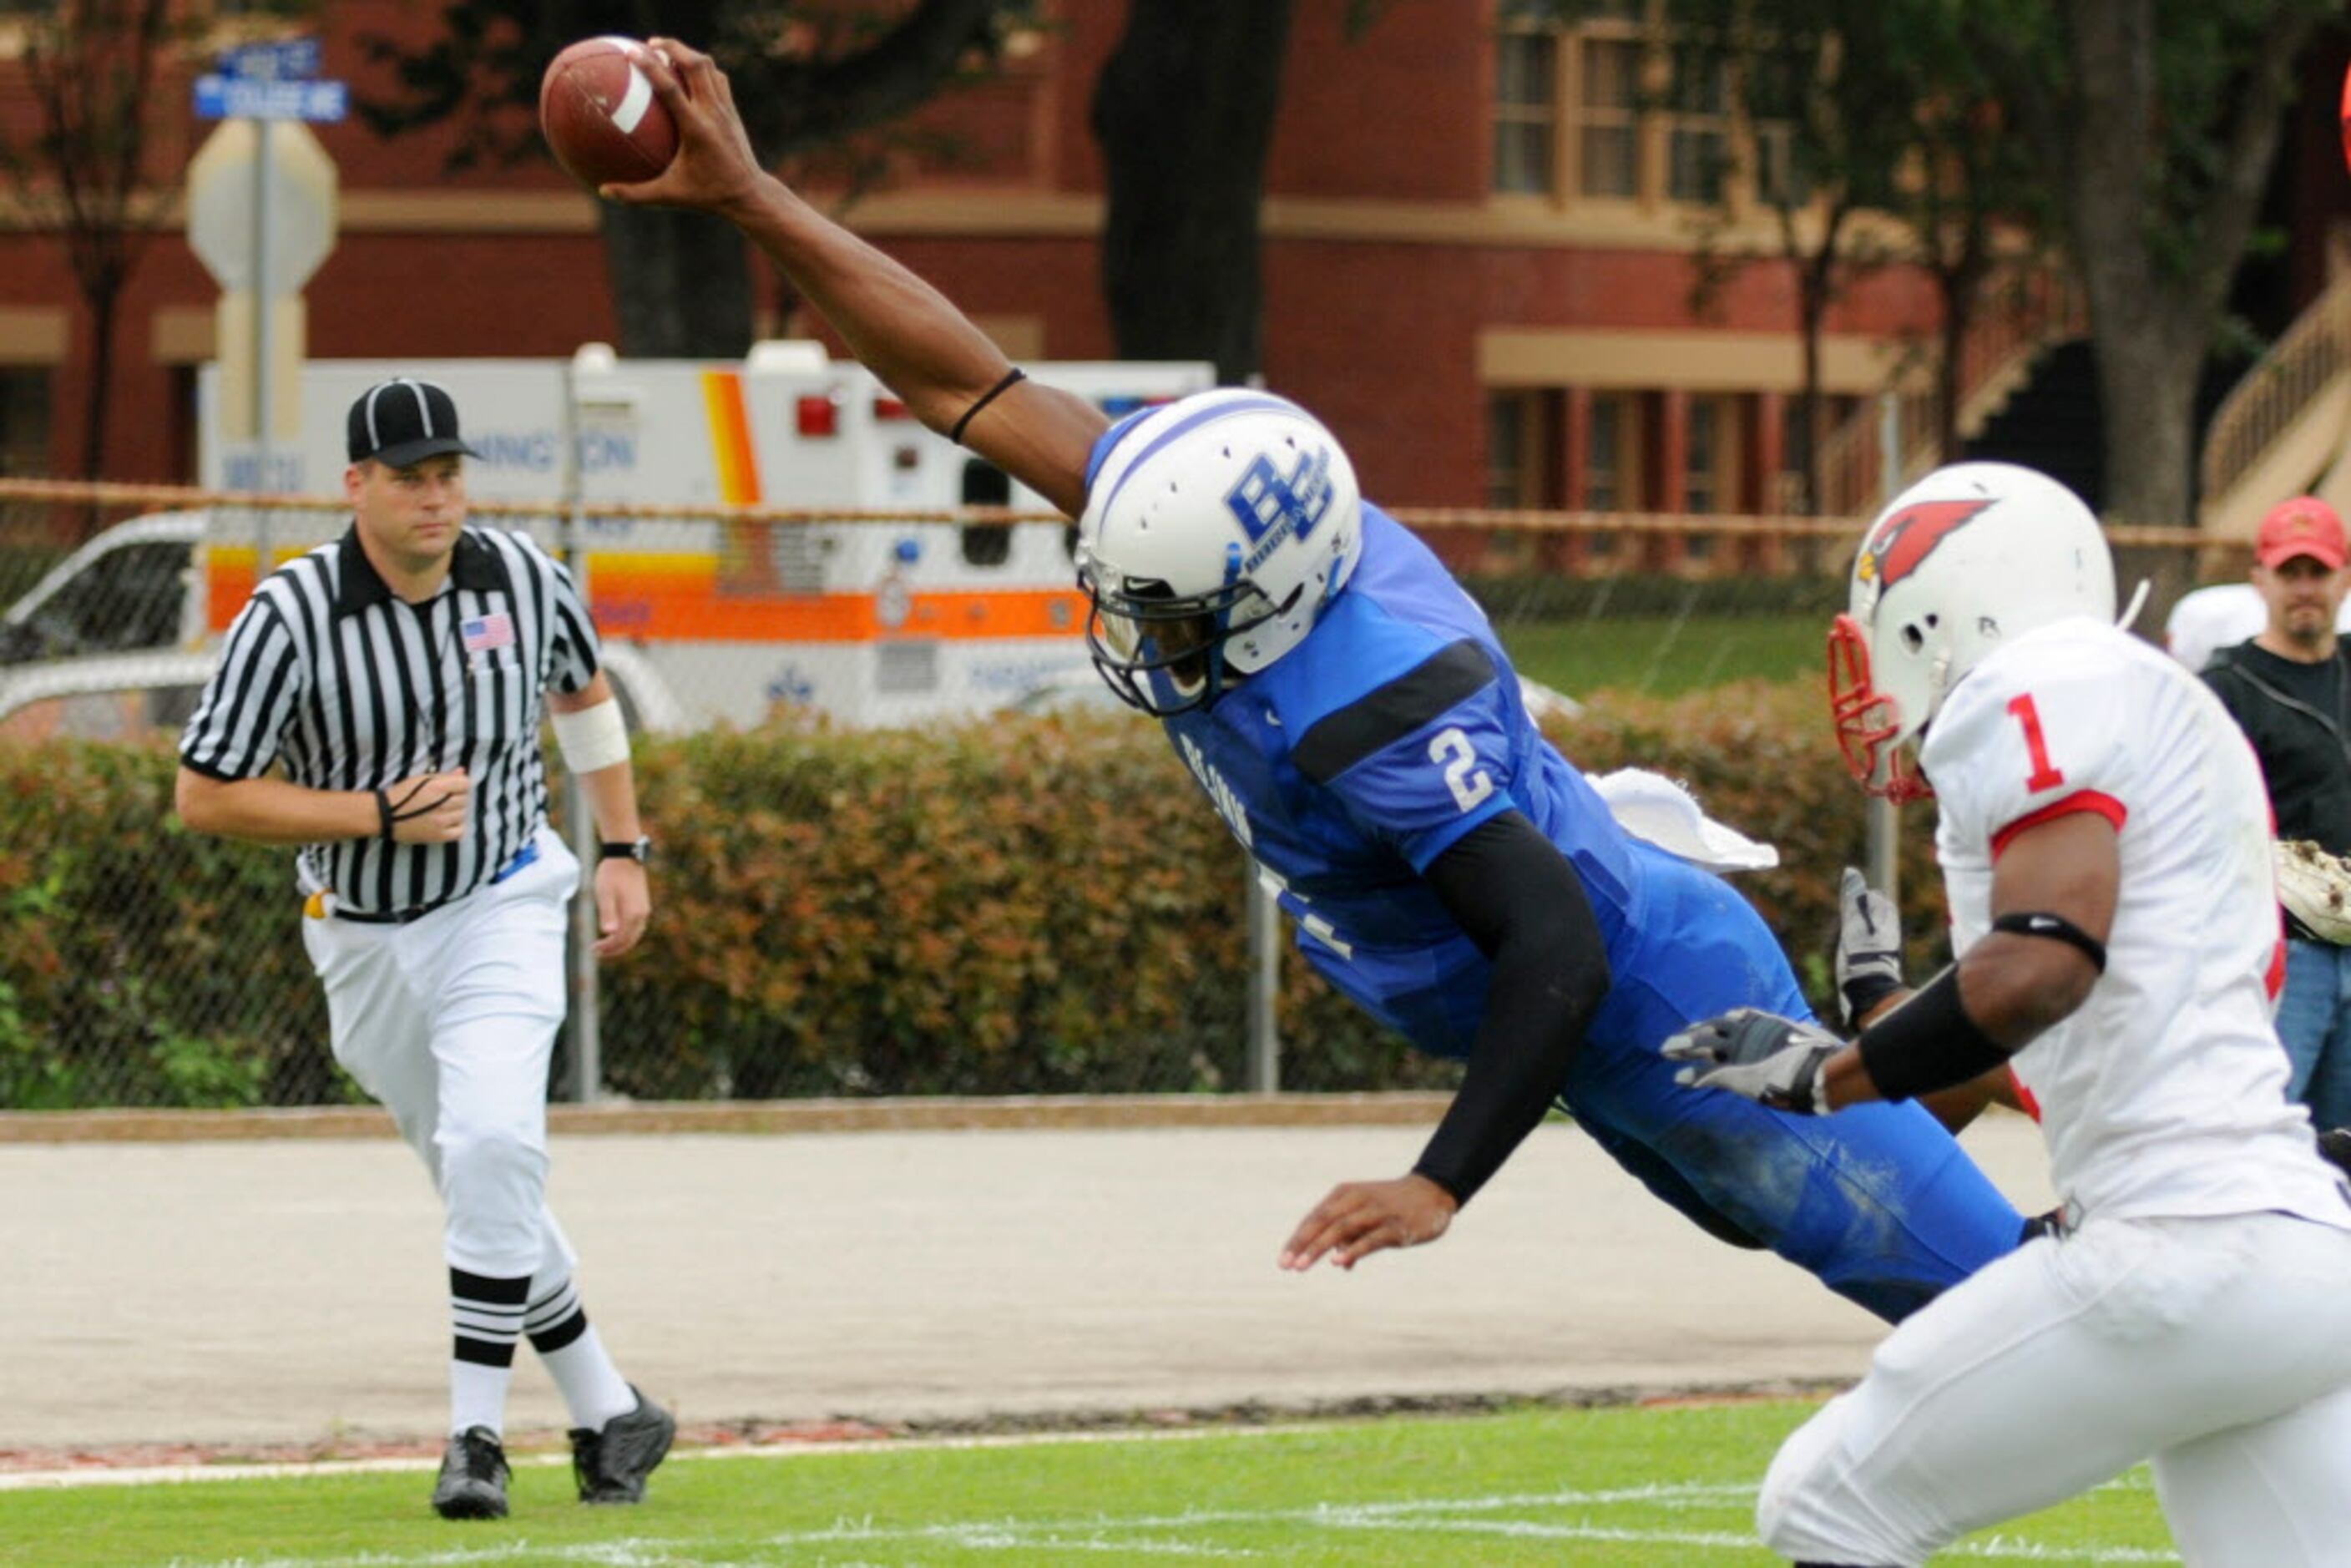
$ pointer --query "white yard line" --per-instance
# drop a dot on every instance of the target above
(1162, 1535)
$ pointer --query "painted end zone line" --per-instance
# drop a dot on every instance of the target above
(27, 1480)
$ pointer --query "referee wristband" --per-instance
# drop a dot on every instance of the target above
(1927, 1043)
(383, 816)
(592, 739)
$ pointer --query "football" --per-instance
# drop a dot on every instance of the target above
(600, 118)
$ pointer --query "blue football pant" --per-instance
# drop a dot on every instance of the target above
(1878, 1201)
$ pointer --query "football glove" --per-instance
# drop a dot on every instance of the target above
(1772, 1060)
(1868, 949)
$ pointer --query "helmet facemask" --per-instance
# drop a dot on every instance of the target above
(1163, 654)
(1869, 727)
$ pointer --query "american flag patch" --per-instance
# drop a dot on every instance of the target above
(484, 633)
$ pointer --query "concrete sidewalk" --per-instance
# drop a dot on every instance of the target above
(288, 1292)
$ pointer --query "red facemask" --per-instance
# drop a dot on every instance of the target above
(1866, 721)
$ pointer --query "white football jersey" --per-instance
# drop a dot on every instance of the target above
(2166, 1092)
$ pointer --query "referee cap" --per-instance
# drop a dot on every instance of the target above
(404, 421)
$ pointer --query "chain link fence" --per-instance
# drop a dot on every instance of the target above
(145, 966)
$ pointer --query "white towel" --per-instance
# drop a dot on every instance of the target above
(1652, 808)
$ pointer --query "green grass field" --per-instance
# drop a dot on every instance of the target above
(1663, 656)
(1627, 1486)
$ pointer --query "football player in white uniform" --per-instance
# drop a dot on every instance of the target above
(2105, 852)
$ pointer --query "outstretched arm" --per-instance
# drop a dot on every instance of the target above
(1519, 899)
(906, 332)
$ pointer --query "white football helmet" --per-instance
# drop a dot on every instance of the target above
(1216, 529)
(1970, 556)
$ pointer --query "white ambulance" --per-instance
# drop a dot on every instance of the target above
(871, 622)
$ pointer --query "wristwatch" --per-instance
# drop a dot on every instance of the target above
(640, 851)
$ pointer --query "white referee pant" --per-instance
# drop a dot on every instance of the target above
(2218, 1347)
(449, 1022)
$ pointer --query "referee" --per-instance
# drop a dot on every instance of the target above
(394, 678)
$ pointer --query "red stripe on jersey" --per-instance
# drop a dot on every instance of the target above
(2105, 805)
(2023, 1095)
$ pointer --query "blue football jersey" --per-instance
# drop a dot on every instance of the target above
(1349, 765)
(1395, 727)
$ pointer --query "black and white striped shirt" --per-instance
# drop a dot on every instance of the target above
(351, 687)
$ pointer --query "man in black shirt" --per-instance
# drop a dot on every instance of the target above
(2289, 689)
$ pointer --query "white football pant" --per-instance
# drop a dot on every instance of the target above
(2218, 1347)
(449, 1022)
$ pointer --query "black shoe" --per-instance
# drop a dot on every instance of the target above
(472, 1483)
(611, 1465)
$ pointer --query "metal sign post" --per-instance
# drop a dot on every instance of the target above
(262, 233)
(1885, 838)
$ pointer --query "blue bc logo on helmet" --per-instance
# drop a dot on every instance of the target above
(1273, 506)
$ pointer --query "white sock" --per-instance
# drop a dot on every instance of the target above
(593, 1387)
(574, 1354)
(487, 1314)
(477, 1397)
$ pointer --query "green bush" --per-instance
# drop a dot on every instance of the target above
(1018, 906)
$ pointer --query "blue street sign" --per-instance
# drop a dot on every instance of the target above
(236, 98)
(286, 59)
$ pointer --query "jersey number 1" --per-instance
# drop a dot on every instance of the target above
(2045, 775)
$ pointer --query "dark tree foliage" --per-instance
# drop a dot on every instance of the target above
(2157, 121)
(79, 160)
(806, 77)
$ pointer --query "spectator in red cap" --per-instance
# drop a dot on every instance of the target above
(2289, 691)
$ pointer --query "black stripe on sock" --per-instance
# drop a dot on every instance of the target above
(549, 1341)
(482, 1351)
(493, 1293)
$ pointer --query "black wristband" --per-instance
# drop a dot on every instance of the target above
(990, 396)
(384, 814)
(1927, 1043)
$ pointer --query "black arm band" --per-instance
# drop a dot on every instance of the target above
(383, 815)
(1927, 1043)
(2057, 928)
(990, 396)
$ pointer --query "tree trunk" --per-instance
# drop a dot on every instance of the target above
(2156, 287)
(103, 296)
(1184, 112)
(681, 282)
(1961, 286)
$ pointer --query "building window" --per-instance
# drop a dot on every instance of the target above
(1520, 428)
(1642, 119)
(1608, 115)
(1710, 468)
(1526, 91)
(23, 419)
(1697, 128)
(1612, 455)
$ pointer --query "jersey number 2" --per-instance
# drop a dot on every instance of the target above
(1468, 781)
(2045, 775)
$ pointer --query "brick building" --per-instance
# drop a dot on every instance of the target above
(1479, 261)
